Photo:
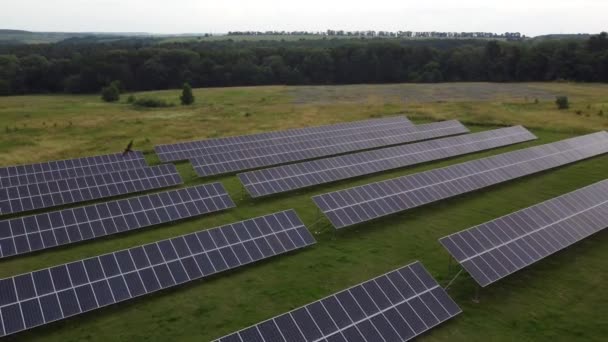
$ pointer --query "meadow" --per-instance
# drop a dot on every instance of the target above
(561, 298)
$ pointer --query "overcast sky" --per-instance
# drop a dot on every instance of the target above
(530, 17)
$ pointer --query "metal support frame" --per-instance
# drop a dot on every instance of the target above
(476, 295)
(242, 191)
(319, 224)
(453, 280)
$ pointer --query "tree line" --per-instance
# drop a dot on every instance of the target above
(386, 34)
(146, 65)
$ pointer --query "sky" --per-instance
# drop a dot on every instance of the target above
(530, 17)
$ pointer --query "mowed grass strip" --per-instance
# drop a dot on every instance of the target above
(560, 298)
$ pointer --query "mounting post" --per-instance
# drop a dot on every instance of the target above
(449, 265)
(477, 290)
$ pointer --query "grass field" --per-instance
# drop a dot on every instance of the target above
(562, 298)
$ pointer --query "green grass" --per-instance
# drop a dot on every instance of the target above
(561, 298)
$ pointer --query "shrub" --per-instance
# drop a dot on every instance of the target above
(600, 113)
(578, 112)
(118, 84)
(131, 99)
(152, 103)
(110, 93)
(562, 102)
(536, 101)
(187, 98)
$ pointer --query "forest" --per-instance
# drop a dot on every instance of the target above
(82, 66)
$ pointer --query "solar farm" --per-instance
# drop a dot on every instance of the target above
(390, 227)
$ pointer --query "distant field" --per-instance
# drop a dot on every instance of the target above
(26, 37)
(561, 298)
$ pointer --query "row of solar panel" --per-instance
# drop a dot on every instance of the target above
(291, 144)
(33, 233)
(495, 249)
(396, 306)
(73, 190)
(70, 168)
(295, 176)
(221, 163)
(32, 299)
(363, 203)
(186, 150)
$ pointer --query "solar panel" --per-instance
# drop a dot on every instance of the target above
(396, 306)
(186, 150)
(69, 168)
(498, 248)
(359, 204)
(33, 299)
(296, 176)
(59, 228)
(73, 190)
(254, 158)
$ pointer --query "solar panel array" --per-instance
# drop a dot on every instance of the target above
(397, 306)
(498, 248)
(215, 164)
(69, 168)
(186, 150)
(359, 204)
(72, 190)
(38, 232)
(33, 299)
(295, 176)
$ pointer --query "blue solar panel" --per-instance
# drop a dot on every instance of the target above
(296, 176)
(59, 228)
(498, 248)
(40, 297)
(363, 203)
(69, 168)
(221, 163)
(397, 306)
(73, 190)
(187, 150)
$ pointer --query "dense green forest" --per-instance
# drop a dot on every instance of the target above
(81, 66)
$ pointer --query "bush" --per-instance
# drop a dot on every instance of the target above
(187, 98)
(131, 99)
(118, 85)
(152, 103)
(110, 93)
(600, 113)
(562, 102)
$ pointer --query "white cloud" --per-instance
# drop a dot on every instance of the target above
(177, 16)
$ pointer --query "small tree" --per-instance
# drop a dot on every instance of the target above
(110, 93)
(118, 84)
(562, 102)
(187, 98)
